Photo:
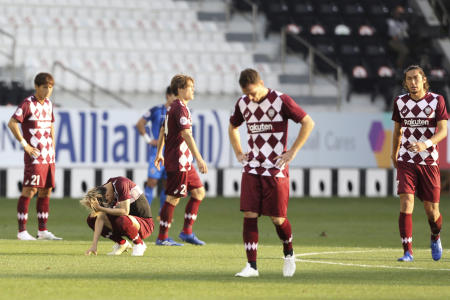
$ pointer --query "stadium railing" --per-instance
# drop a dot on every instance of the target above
(93, 86)
(442, 11)
(253, 20)
(312, 53)
(11, 55)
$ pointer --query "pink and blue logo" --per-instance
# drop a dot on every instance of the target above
(380, 140)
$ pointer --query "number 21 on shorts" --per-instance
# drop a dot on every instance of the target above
(35, 179)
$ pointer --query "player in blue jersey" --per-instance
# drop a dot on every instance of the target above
(155, 116)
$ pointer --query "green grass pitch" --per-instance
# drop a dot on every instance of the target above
(346, 249)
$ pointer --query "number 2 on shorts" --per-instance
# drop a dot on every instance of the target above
(183, 189)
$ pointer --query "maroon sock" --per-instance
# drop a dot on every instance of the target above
(165, 220)
(250, 235)
(190, 214)
(285, 234)
(22, 212)
(125, 225)
(42, 212)
(405, 227)
(435, 227)
(106, 232)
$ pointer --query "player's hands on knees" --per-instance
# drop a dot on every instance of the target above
(33, 152)
(202, 166)
(91, 251)
(157, 162)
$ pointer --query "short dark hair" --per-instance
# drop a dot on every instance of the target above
(169, 91)
(44, 78)
(179, 81)
(248, 76)
(426, 85)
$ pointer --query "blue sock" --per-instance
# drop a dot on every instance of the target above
(149, 194)
(162, 199)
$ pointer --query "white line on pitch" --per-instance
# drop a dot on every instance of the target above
(339, 252)
(366, 266)
(357, 265)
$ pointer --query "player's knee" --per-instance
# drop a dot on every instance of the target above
(44, 192)
(277, 220)
(199, 193)
(250, 214)
(432, 210)
(29, 192)
(173, 201)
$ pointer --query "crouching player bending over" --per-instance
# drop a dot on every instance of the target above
(119, 208)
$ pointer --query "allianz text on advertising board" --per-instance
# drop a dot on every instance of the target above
(108, 138)
(105, 138)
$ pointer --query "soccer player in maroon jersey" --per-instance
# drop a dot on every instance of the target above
(119, 208)
(420, 123)
(35, 114)
(265, 178)
(180, 148)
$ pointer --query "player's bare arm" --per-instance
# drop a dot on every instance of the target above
(186, 134)
(440, 134)
(52, 134)
(122, 208)
(140, 125)
(14, 127)
(307, 126)
(235, 140)
(159, 156)
(99, 223)
(396, 140)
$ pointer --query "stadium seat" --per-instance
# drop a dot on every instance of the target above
(279, 16)
(327, 47)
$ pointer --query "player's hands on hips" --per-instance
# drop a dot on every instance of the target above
(92, 250)
(202, 166)
(159, 159)
(241, 157)
(417, 147)
(153, 142)
(33, 152)
(284, 159)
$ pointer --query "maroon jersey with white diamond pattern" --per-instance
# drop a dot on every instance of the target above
(36, 120)
(418, 120)
(177, 156)
(267, 128)
(125, 189)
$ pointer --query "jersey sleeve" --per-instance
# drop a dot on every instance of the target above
(123, 191)
(22, 111)
(441, 110)
(182, 118)
(396, 113)
(292, 110)
(237, 118)
(148, 115)
(154, 115)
